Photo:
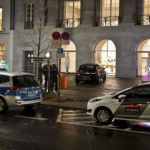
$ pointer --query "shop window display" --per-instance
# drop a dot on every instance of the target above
(105, 54)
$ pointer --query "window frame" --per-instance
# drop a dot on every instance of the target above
(71, 20)
(1, 20)
(3, 76)
(109, 18)
(29, 24)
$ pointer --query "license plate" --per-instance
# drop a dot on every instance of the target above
(31, 93)
(86, 77)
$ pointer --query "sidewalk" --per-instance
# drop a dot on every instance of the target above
(77, 96)
(52, 100)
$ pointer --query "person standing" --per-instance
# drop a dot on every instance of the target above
(45, 72)
(55, 77)
(40, 72)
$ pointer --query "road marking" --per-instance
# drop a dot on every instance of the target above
(75, 120)
(59, 115)
(75, 115)
(35, 118)
(72, 118)
(104, 127)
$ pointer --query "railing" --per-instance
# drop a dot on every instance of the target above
(144, 20)
(29, 25)
(108, 21)
(71, 22)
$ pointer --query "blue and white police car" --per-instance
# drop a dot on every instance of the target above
(18, 89)
(130, 104)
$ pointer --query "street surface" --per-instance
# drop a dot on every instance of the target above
(54, 128)
(88, 90)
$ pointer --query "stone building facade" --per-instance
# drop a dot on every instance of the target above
(113, 33)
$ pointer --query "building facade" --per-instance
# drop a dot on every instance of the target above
(113, 33)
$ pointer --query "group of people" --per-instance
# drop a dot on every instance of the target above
(53, 76)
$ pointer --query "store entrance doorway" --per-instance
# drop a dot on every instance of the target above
(143, 57)
(68, 64)
(105, 55)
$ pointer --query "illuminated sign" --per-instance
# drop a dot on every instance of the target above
(4, 65)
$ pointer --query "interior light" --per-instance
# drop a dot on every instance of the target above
(47, 54)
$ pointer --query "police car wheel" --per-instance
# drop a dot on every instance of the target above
(3, 105)
(103, 116)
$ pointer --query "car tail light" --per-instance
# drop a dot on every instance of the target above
(13, 88)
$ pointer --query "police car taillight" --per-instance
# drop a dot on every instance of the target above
(13, 88)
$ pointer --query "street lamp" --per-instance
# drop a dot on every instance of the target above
(48, 54)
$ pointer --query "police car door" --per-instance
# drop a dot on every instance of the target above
(135, 104)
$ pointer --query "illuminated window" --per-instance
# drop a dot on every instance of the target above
(109, 12)
(29, 20)
(72, 10)
(2, 52)
(0, 19)
(146, 13)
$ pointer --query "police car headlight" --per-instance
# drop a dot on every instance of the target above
(94, 100)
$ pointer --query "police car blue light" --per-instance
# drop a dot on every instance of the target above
(18, 89)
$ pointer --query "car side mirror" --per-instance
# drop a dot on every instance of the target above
(121, 97)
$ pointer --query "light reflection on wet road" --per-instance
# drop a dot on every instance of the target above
(36, 129)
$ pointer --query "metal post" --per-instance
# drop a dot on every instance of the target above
(59, 72)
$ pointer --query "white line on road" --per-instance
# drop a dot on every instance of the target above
(35, 118)
(71, 118)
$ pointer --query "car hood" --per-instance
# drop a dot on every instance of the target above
(102, 97)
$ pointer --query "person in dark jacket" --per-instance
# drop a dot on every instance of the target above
(40, 72)
(54, 77)
(45, 72)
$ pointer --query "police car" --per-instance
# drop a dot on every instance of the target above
(130, 104)
(18, 89)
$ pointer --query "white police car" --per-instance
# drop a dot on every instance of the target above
(130, 104)
(18, 89)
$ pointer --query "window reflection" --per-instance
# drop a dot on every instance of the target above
(0, 19)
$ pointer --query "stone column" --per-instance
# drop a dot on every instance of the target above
(128, 12)
(53, 12)
(88, 12)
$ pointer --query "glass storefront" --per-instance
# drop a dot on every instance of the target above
(105, 55)
(143, 56)
(68, 64)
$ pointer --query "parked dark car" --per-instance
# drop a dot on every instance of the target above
(90, 72)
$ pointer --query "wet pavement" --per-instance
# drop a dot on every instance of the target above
(77, 95)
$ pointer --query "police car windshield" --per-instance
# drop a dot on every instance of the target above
(24, 81)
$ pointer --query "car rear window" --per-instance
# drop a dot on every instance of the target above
(25, 81)
(87, 68)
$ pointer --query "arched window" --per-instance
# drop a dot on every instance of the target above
(105, 55)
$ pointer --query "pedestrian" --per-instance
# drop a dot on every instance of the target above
(40, 73)
(45, 72)
(55, 77)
